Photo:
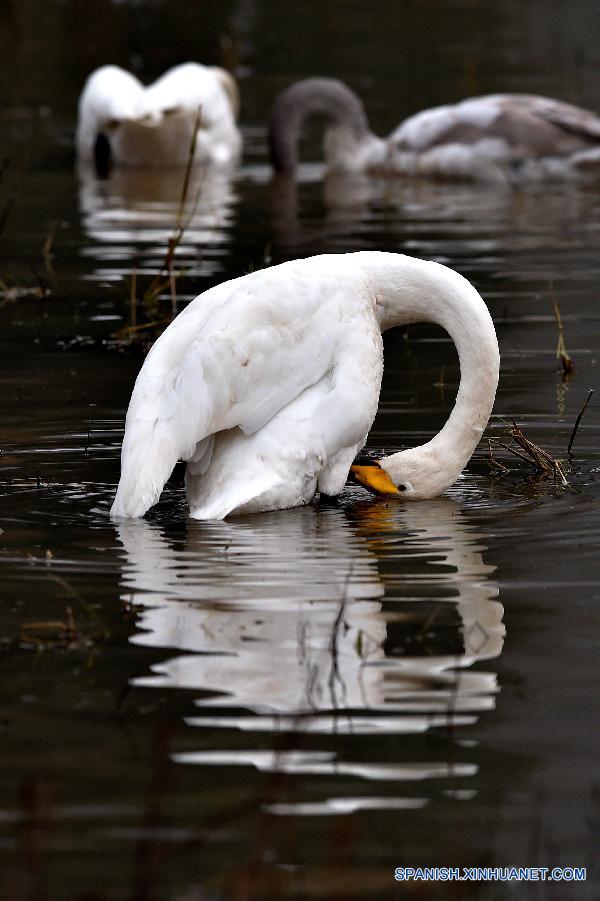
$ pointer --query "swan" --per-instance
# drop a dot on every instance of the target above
(124, 123)
(267, 386)
(499, 137)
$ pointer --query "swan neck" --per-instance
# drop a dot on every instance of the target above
(419, 291)
(347, 134)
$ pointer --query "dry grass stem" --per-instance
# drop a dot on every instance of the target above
(157, 316)
(47, 250)
(52, 635)
(567, 365)
(441, 381)
(492, 459)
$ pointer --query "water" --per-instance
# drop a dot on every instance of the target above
(293, 704)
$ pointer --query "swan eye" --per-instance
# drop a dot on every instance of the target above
(401, 487)
(112, 124)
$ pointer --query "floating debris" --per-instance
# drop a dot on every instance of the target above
(65, 634)
(532, 454)
(51, 633)
(12, 293)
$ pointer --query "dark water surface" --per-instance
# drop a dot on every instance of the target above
(293, 704)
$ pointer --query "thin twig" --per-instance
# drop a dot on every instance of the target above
(521, 456)
(577, 421)
(543, 459)
(180, 223)
(532, 454)
(123, 333)
(493, 461)
(151, 304)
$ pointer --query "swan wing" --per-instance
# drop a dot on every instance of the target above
(525, 124)
(239, 355)
(188, 85)
(309, 443)
(569, 118)
(192, 88)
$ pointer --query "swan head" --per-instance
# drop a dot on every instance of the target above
(349, 145)
(421, 472)
(414, 474)
(428, 470)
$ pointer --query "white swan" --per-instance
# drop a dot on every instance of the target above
(122, 122)
(267, 386)
(515, 137)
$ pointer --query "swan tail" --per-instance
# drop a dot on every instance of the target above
(238, 496)
(148, 457)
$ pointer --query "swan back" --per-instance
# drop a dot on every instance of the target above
(154, 125)
(502, 137)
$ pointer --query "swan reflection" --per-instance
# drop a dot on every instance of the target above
(428, 218)
(348, 622)
(130, 216)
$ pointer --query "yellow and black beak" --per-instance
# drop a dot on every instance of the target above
(374, 479)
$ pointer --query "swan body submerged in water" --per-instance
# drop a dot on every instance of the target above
(122, 122)
(267, 386)
(499, 137)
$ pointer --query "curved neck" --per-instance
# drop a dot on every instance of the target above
(347, 136)
(409, 290)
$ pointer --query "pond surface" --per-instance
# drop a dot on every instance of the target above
(293, 704)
